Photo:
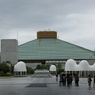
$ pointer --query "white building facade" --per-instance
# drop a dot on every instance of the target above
(9, 50)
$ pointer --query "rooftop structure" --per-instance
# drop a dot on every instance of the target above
(46, 34)
(48, 48)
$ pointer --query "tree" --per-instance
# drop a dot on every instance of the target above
(30, 70)
(47, 66)
(4, 68)
(10, 66)
(43, 66)
(59, 68)
(38, 67)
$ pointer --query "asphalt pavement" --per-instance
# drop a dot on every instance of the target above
(42, 86)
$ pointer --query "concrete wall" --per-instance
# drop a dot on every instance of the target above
(9, 50)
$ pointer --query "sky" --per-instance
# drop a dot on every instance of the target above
(74, 20)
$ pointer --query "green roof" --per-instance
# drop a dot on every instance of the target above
(52, 49)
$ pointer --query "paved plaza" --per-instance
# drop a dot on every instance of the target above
(41, 86)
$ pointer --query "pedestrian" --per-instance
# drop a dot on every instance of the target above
(64, 79)
(71, 79)
(76, 80)
(68, 80)
(94, 82)
(60, 80)
(56, 77)
(89, 80)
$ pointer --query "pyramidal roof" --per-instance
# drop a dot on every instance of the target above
(52, 49)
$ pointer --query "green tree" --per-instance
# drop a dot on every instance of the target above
(43, 66)
(59, 68)
(47, 66)
(4, 68)
(38, 67)
(10, 66)
(30, 70)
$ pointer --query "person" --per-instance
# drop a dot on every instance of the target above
(60, 79)
(89, 80)
(71, 79)
(64, 79)
(76, 80)
(56, 77)
(68, 80)
(94, 82)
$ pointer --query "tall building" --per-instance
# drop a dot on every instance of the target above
(9, 50)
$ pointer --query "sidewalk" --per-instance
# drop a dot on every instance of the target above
(42, 86)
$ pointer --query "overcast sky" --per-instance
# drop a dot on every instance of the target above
(74, 20)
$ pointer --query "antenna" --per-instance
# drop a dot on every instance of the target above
(17, 34)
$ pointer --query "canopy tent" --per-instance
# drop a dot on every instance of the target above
(71, 65)
(84, 66)
(92, 67)
(20, 69)
(52, 68)
(20, 66)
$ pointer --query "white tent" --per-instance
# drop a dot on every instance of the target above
(20, 66)
(71, 65)
(52, 68)
(84, 66)
(20, 69)
(92, 67)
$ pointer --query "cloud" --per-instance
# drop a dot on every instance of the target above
(73, 19)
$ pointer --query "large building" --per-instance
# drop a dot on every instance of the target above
(47, 48)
